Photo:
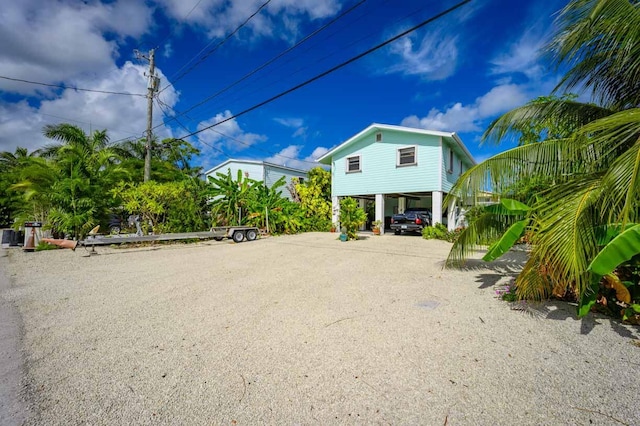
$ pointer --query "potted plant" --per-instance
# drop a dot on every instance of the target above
(333, 227)
(343, 233)
(375, 227)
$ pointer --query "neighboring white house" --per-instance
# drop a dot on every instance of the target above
(269, 173)
(397, 167)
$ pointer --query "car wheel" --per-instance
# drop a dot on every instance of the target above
(397, 232)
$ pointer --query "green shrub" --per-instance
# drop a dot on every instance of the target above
(440, 232)
(352, 217)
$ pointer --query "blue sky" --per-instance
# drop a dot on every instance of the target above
(456, 74)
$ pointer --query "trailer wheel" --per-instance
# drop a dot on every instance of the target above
(238, 236)
(218, 238)
(251, 235)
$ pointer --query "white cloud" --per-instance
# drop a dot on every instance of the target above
(54, 41)
(295, 123)
(469, 118)
(219, 17)
(290, 122)
(290, 157)
(226, 136)
(434, 57)
(122, 116)
(521, 56)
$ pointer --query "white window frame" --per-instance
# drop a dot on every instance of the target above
(378, 137)
(346, 163)
(415, 156)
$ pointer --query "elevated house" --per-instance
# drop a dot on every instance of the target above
(259, 170)
(391, 168)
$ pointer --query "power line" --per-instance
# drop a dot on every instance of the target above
(210, 52)
(162, 108)
(172, 31)
(335, 68)
(310, 65)
(270, 61)
(71, 87)
(160, 102)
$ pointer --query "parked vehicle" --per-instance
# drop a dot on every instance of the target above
(412, 220)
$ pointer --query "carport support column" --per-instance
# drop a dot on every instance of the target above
(335, 212)
(452, 217)
(402, 204)
(380, 211)
(436, 205)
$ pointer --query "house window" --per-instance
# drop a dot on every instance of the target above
(353, 164)
(407, 156)
(450, 170)
(378, 137)
(461, 166)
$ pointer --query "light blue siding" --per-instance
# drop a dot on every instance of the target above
(380, 173)
(252, 170)
(273, 173)
(450, 174)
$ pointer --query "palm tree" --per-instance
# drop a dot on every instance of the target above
(71, 179)
(595, 168)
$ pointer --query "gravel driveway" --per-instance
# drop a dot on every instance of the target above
(306, 329)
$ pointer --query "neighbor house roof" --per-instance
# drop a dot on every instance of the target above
(256, 162)
(326, 158)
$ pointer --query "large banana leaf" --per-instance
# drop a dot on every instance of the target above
(508, 207)
(507, 241)
(620, 249)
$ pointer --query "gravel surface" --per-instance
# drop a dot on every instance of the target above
(306, 329)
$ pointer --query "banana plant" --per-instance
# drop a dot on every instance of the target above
(503, 222)
(619, 250)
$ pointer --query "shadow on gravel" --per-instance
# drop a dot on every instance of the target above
(561, 311)
(510, 265)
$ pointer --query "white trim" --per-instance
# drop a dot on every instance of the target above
(255, 162)
(415, 156)
(441, 162)
(346, 163)
(377, 126)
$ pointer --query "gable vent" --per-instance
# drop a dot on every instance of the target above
(378, 137)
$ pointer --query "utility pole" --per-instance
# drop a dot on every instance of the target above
(152, 87)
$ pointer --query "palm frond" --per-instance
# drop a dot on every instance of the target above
(598, 40)
(570, 113)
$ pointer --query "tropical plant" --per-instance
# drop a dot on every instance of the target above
(230, 198)
(315, 198)
(165, 207)
(594, 167)
(352, 217)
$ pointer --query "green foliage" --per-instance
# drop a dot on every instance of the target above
(315, 199)
(164, 207)
(500, 225)
(621, 249)
(583, 167)
(231, 198)
(508, 239)
(437, 232)
(352, 217)
(43, 246)
(440, 232)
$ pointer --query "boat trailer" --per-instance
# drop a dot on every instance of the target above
(236, 233)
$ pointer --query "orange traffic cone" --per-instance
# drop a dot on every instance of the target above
(62, 243)
(31, 241)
